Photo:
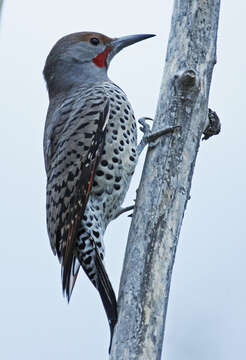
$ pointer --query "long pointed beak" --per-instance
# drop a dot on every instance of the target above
(120, 43)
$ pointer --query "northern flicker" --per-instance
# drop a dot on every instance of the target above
(90, 151)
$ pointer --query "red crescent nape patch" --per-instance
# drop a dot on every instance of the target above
(100, 59)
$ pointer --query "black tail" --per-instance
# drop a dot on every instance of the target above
(107, 295)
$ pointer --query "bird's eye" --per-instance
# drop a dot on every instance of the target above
(94, 41)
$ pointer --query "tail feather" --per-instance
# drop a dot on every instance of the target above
(102, 284)
(68, 285)
(107, 295)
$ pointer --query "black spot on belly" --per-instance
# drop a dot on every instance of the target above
(99, 193)
(104, 163)
(96, 234)
(81, 246)
(87, 261)
(109, 177)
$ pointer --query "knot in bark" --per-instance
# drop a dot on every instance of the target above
(187, 80)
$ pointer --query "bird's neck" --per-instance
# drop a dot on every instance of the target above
(68, 76)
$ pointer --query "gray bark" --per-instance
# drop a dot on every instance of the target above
(166, 180)
(1, 4)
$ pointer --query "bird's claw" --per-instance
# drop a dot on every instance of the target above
(145, 128)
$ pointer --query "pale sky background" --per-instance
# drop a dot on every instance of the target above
(206, 313)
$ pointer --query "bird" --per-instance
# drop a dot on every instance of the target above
(90, 154)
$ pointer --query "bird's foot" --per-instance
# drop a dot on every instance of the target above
(213, 126)
(145, 128)
(123, 210)
(151, 138)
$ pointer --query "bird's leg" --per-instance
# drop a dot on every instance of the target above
(212, 126)
(123, 210)
(151, 138)
(145, 128)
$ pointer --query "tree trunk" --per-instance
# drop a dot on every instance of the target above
(166, 180)
(1, 3)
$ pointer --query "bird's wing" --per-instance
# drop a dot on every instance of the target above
(73, 153)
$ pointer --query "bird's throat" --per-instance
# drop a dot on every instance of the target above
(101, 59)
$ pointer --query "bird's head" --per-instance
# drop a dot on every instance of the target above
(83, 58)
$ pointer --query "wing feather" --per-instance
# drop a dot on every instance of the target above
(73, 152)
